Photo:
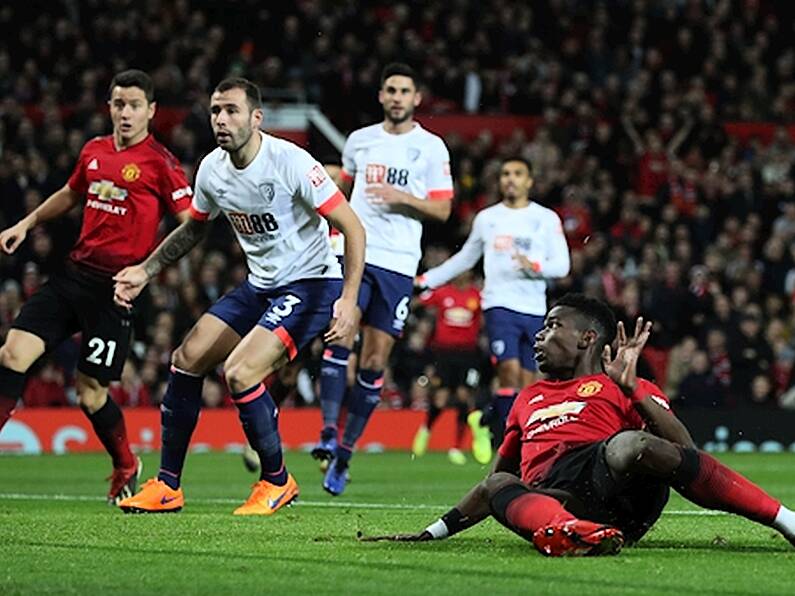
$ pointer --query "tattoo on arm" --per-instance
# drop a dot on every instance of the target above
(177, 245)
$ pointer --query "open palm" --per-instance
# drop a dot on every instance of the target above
(623, 369)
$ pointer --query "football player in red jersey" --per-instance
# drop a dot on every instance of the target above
(458, 363)
(127, 182)
(590, 452)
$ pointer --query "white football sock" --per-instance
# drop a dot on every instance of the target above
(785, 522)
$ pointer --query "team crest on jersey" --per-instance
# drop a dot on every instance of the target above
(267, 191)
(590, 388)
(317, 176)
(131, 172)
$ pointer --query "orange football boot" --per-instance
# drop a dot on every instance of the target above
(267, 498)
(155, 496)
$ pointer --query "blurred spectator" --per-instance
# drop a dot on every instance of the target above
(668, 211)
(700, 387)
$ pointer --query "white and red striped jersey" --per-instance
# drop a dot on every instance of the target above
(416, 162)
(275, 205)
(498, 234)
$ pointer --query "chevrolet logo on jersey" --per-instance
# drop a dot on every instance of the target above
(107, 191)
(557, 410)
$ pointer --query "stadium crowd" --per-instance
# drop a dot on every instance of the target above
(666, 214)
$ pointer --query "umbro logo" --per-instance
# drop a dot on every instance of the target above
(93, 164)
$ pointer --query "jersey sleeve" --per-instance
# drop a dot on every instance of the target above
(348, 160)
(512, 440)
(175, 190)
(557, 262)
(310, 181)
(440, 180)
(653, 391)
(78, 181)
(203, 206)
(463, 260)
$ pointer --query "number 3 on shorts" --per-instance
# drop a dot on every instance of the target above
(98, 346)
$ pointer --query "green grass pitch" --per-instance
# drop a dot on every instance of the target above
(57, 536)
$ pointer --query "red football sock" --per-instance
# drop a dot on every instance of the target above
(108, 423)
(532, 511)
(7, 405)
(705, 481)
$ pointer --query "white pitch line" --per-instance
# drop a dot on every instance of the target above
(325, 504)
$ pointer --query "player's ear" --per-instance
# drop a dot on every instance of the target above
(587, 339)
(417, 98)
(257, 116)
(151, 109)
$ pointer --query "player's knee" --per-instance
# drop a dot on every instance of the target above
(188, 359)
(13, 358)
(496, 482)
(627, 451)
(373, 361)
(90, 394)
(508, 373)
(240, 376)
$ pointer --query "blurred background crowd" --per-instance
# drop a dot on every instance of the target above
(667, 214)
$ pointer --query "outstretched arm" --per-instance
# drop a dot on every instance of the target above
(463, 260)
(679, 138)
(633, 134)
(61, 201)
(131, 280)
(472, 509)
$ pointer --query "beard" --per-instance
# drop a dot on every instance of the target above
(406, 115)
(236, 141)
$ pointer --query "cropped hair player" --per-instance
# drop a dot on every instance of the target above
(127, 182)
(590, 452)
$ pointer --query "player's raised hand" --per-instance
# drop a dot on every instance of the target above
(418, 537)
(384, 194)
(344, 321)
(12, 237)
(623, 368)
(528, 267)
(129, 283)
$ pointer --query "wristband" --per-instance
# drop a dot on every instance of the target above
(438, 530)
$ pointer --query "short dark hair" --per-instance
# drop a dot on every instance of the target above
(134, 78)
(520, 159)
(253, 96)
(399, 68)
(595, 311)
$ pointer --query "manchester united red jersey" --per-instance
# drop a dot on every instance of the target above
(549, 418)
(457, 317)
(127, 192)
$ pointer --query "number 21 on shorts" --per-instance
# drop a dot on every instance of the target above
(98, 347)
